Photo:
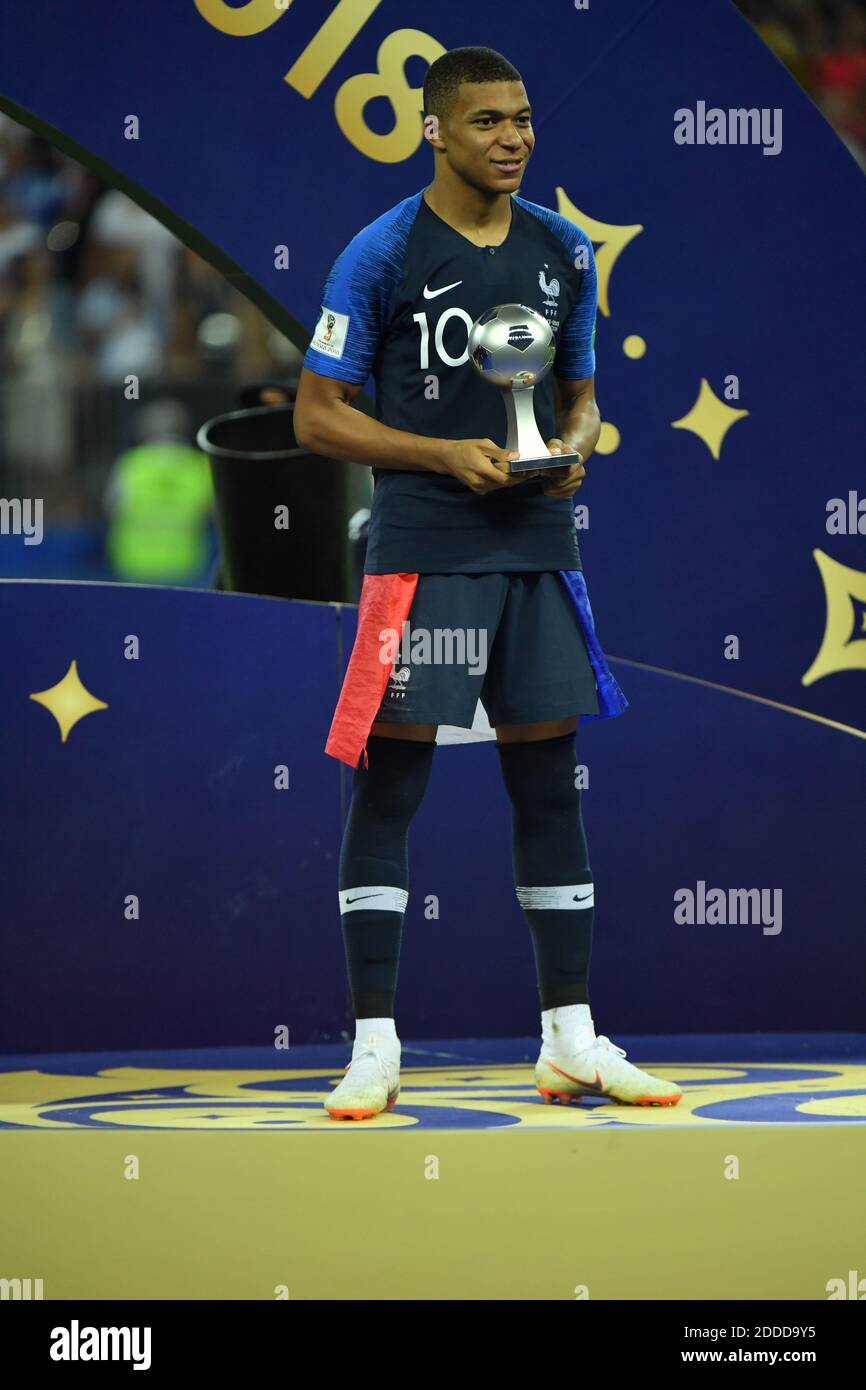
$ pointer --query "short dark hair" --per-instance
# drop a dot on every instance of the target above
(463, 65)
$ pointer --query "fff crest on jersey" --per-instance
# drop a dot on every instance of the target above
(512, 347)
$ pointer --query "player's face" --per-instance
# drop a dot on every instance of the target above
(488, 135)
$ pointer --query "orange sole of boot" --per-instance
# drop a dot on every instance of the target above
(566, 1098)
(359, 1114)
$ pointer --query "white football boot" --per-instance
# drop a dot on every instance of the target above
(371, 1083)
(599, 1070)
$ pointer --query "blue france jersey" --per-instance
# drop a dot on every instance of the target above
(398, 305)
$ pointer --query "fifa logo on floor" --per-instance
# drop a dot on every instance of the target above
(21, 1289)
(438, 646)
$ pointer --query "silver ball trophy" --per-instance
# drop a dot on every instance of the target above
(512, 346)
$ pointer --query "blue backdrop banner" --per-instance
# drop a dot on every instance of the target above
(721, 524)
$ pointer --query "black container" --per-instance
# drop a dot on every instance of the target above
(257, 469)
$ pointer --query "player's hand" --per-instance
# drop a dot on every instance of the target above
(479, 463)
(561, 482)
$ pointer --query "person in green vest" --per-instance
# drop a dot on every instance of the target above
(160, 500)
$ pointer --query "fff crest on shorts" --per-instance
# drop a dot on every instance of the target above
(512, 347)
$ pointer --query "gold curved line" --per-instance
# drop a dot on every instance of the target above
(743, 694)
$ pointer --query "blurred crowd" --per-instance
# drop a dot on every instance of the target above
(94, 291)
(823, 45)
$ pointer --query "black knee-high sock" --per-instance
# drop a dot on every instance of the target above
(374, 867)
(552, 873)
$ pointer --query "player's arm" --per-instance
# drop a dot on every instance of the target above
(326, 423)
(578, 420)
(340, 358)
(578, 427)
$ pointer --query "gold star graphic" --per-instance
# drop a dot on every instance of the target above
(611, 239)
(68, 701)
(709, 418)
(840, 649)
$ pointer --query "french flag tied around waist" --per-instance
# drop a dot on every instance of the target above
(611, 700)
(384, 606)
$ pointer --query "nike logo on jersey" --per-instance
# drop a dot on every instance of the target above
(583, 899)
(362, 897)
(433, 294)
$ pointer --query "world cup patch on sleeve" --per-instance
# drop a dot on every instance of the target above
(330, 334)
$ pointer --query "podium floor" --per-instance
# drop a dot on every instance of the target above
(216, 1174)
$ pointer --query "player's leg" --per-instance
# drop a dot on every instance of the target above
(373, 891)
(552, 873)
(415, 733)
(373, 876)
(541, 668)
(536, 733)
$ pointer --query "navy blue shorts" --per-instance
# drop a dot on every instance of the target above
(513, 641)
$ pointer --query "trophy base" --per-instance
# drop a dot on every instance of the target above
(529, 463)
